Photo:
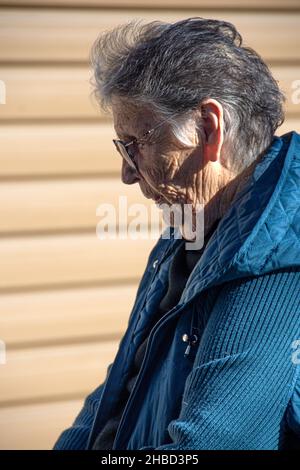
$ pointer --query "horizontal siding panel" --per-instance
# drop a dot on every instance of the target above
(64, 315)
(286, 77)
(289, 125)
(36, 427)
(58, 150)
(67, 35)
(32, 262)
(48, 93)
(67, 149)
(66, 204)
(62, 93)
(54, 372)
(257, 4)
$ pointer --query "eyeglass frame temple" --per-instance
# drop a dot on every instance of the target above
(149, 131)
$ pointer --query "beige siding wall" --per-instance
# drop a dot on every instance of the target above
(65, 295)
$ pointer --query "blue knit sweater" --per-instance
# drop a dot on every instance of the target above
(240, 386)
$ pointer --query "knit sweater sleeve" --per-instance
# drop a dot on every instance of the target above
(243, 375)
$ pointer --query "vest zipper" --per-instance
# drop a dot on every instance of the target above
(164, 257)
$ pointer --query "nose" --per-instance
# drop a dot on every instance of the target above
(129, 175)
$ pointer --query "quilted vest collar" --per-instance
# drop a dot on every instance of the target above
(261, 230)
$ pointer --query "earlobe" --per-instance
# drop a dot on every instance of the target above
(212, 115)
(211, 152)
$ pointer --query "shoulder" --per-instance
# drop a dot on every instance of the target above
(280, 286)
(260, 310)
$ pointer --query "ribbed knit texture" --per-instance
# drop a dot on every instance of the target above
(243, 374)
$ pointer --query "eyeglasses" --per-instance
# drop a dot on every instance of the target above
(127, 154)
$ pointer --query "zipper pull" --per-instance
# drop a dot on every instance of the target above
(187, 351)
(191, 340)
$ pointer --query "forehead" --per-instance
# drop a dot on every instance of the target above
(130, 119)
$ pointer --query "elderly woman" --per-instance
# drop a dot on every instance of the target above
(210, 356)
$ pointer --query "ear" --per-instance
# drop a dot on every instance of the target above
(213, 126)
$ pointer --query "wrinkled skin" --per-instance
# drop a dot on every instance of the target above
(197, 175)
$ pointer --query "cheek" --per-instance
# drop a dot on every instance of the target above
(155, 168)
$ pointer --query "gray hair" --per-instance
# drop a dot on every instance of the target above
(173, 67)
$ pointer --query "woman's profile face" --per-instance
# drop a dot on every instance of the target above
(167, 169)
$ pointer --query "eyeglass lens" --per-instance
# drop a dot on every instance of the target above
(122, 150)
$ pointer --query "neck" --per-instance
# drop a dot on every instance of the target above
(222, 201)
